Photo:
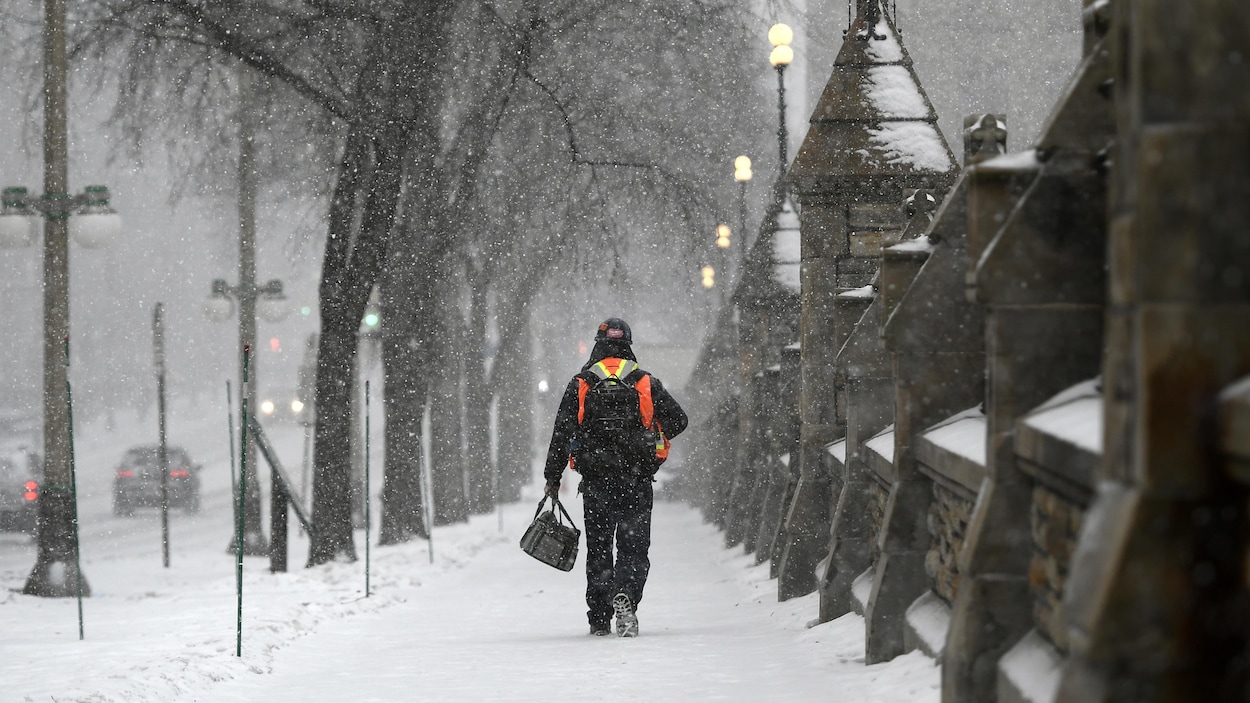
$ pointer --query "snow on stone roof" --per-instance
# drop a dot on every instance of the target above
(916, 144)
(915, 244)
(1016, 161)
(895, 95)
(962, 434)
(1033, 667)
(887, 50)
(930, 618)
(873, 117)
(787, 249)
(883, 443)
(837, 450)
(1075, 416)
(861, 292)
(893, 92)
(1236, 389)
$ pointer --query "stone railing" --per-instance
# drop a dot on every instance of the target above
(1021, 428)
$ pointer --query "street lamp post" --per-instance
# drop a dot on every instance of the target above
(56, 572)
(780, 35)
(742, 174)
(722, 244)
(269, 303)
(95, 225)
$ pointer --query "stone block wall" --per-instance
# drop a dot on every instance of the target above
(949, 515)
(876, 509)
(1056, 525)
(1112, 249)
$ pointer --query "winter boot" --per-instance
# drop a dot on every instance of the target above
(626, 621)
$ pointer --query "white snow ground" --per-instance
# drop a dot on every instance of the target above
(481, 622)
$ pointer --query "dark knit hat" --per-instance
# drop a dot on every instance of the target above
(614, 329)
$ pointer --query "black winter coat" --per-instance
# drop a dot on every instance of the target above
(667, 412)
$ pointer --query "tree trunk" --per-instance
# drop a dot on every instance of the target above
(341, 304)
(515, 406)
(446, 459)
(331, 515)
(405, 399)
(409, 333)
(477, 400)
(447, 477)
(351, 267)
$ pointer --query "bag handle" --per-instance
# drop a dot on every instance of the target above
(543, 501)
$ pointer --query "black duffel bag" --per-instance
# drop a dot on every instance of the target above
(551, 541)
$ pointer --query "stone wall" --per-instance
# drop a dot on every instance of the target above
(948, 527)
(1056, 523)
(876, 509)
(1114, 249)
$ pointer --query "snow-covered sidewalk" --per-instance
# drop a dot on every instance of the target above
(483, 622)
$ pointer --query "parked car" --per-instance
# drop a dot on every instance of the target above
(21, 474)
(138, 480)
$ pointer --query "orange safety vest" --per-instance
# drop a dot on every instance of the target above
(612, 367)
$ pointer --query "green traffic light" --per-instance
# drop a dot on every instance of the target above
(371, 319)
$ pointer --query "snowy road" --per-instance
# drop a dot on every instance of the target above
(483, 622)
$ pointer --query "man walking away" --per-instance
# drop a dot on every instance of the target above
(613, 427)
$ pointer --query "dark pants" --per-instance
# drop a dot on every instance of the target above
(620, 508)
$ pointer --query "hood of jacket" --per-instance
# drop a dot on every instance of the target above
(609, 350)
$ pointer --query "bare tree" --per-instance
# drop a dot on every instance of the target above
(541, 134)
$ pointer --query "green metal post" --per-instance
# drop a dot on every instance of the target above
(239, 527)
(367, 513)
(234, 481)
(73, 487)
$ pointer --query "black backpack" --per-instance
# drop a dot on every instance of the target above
(611, 435)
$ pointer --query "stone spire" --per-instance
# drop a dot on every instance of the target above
(873, 140)
(873, 118)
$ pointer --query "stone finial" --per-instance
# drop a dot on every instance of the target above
(921, 202)
(985, 136)
(870, 10)
(868, 14)
(920, 207)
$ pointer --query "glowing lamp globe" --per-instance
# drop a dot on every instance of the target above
(780, 34)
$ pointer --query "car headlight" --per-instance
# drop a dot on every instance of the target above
(297, 406)
(266, 406)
